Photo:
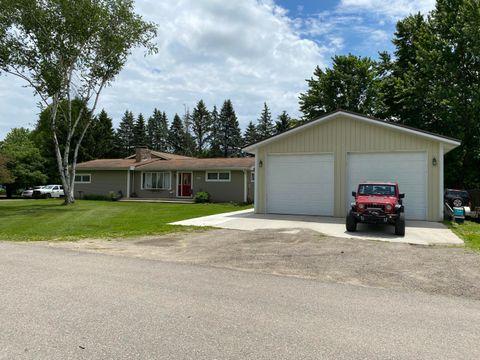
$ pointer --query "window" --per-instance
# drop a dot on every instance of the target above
(374, 189)
(156, 180)
(252, 176)
(82, 178)
(218, 176)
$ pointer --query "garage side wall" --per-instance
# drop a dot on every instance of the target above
(343, 135)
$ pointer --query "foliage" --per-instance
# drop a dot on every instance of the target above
(139, 132)
(103, 144)
(97, 219)
(125, 135)
(188, 141)
(353, 83)
(215, 135)
(229, 131)
(6, 176)
(250, 136)
(24, 161)
(283, 123)
(110, 197)
(202, 197)
(265, 127)
(69, 49)
(157, 131)
(201, 127)
(176, 136)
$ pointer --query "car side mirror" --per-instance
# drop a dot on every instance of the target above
(401, 196)
(354, 193)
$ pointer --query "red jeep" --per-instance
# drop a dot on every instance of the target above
(377, 203)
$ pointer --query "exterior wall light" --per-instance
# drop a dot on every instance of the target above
(260, 163)
(434, 161)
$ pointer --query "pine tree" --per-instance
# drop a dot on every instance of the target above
(140, 132)
(176, 136)
(201, 127)
(124, 135)
(230, 135)
(265, 126)
(283, 123)
(250, 135)
(215, 139)
(189, 141)
(104, 136)
(157, 131)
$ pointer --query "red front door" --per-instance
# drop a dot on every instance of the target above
(185, 184)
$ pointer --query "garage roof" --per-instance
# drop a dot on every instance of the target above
(450, 142)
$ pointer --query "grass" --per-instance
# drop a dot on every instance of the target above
(33, 220)
(469, 232)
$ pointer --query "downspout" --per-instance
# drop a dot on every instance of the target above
(245, 186)
(255, 184)
(130, 168)
(441, 182)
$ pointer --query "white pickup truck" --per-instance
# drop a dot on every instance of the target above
(49, 191)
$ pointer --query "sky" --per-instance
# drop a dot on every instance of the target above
(249, 51)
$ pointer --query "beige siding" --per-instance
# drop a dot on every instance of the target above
(344, 135)
(102, 183)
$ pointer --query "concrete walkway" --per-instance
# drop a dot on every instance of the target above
(417, 232)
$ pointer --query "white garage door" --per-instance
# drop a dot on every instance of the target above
(300, 184)
(408, 169)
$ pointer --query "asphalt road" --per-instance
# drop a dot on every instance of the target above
(62, 304)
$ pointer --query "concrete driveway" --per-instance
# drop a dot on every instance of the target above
(417, 232)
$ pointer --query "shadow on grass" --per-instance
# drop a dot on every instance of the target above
(33, 209)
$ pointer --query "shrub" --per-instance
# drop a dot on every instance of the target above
(110, 197)
(202, 197)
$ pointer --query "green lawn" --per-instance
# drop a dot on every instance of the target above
(50, 220)
(468, 232)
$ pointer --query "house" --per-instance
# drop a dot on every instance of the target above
(313, 168)
(153, 174)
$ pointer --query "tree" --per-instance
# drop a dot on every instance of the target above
(25, 163)
(283, 123)
(176, 136)
(157, 131)
(201, 127)
(104, 136)
(140, 132)
(6, 176)
(125, 135)
(229, 131)
(189, 141)
(250, 135)
(215, 139)
(265, 127)
(69, 49)
(351, 84)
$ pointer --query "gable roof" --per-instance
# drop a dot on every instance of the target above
(176, 162)
(163, 155)
(352, 115)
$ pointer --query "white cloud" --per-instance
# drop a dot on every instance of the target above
(394, 9)
(248, 51)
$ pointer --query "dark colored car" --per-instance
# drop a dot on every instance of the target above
(457, 198)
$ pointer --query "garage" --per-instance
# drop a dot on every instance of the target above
(409, 169)
(313, 168)
(300, 184)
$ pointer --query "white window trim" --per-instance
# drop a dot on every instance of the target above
(84, 182)
(158, 172)
(218, 172)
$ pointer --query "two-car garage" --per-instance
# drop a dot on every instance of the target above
(312, 169)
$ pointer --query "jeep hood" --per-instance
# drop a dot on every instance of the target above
(376, 199)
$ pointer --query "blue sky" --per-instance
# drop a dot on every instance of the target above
(250, 51)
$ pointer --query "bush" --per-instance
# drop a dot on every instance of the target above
(202, 197)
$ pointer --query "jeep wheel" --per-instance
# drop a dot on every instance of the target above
(48, 196)
(400, 225)
(457, 202)
(351, 222)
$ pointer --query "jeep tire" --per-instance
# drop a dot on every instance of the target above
(351, 222)
(400, 225)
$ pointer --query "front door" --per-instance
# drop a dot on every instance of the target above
(185, 184)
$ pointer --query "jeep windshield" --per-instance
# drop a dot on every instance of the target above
(376, 189)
